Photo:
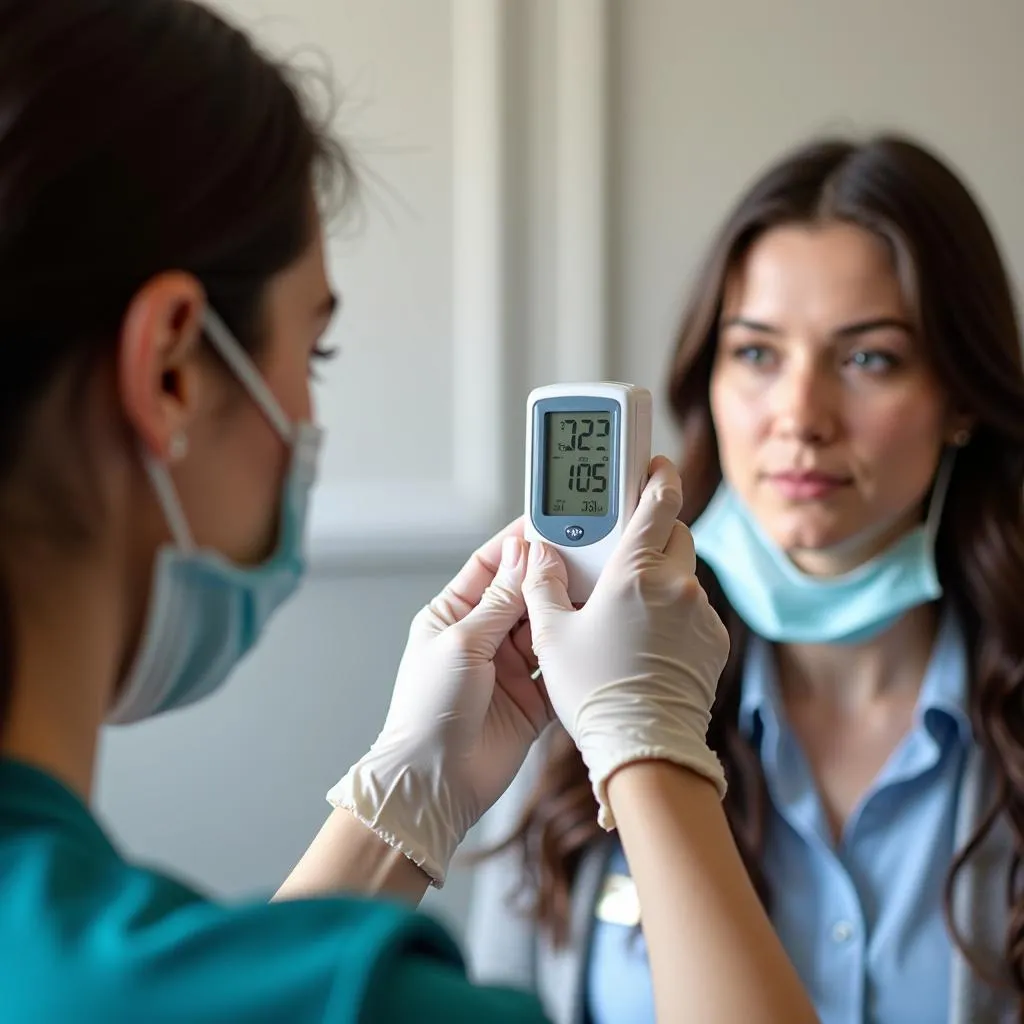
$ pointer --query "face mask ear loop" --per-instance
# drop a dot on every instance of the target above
(939, 491)
(245, 370)
(167, 496)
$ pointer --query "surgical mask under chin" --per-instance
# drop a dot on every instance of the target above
(205, 613)
(783, 604)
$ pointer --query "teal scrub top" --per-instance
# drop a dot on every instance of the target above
(87, 937)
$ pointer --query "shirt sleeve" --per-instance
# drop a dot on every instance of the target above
(419, 988)
(102, 941)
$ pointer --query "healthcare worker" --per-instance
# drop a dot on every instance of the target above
(162, 296)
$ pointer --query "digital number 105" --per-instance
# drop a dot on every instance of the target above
(587, 478)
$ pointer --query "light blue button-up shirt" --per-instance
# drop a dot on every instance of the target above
(862, 919)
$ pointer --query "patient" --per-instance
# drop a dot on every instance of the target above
(850, 397)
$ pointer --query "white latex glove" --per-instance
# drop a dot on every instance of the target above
(632, 675)
(455, 735)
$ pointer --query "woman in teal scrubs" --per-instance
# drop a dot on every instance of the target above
(162, 297)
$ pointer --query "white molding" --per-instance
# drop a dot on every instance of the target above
(479, 245)
(385, 525)
(582, 194)
(382, 524)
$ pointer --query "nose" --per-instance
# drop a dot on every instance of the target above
(806, 405)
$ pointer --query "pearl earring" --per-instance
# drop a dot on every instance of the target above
(961, 437)
(177, 449)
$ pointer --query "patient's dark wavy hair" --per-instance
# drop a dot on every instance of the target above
(957, 284)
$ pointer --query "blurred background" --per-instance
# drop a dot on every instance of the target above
(539, 178)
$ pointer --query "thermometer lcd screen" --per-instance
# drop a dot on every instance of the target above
(577, 463)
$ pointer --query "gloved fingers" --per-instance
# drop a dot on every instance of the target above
(464, 592)
(545, 588)
(501, 606)
(513, 668)
(522, 640)
(680, 554)
(657, 513)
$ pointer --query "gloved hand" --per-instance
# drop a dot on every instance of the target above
(632, 675)
(454, 736)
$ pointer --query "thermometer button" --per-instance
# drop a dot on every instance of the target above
(574, 532)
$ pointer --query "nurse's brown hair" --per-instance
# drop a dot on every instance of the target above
(957, 284)
(136, 137)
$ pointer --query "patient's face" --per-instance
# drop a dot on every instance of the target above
(829, 418)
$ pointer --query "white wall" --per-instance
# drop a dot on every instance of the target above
(499, 248)
(704, 95)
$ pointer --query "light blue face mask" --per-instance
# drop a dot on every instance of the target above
(781, 603)
(206, 613)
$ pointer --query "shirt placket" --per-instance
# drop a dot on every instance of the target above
(843, 938)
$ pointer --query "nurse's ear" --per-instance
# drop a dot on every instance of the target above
(160, 359)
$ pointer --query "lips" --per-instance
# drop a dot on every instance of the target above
(807, 485)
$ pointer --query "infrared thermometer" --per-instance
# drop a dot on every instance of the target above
(588, 452)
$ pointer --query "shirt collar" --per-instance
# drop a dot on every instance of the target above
(944, 688)
(759, 696)
(30, 798)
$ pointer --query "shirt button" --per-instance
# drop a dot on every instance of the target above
(842, 931)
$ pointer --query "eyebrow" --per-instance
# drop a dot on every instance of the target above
(851, 330)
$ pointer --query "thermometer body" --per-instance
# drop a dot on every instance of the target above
(588, 450)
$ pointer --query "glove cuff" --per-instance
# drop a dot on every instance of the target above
(403, 809)
(699, 759)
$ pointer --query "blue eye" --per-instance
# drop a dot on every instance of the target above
(754, 355)
(874, 361)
